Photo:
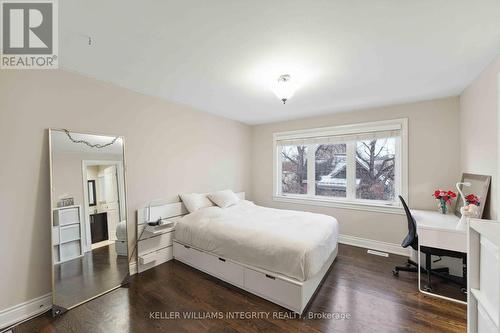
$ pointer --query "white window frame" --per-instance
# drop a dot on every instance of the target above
(401, 170)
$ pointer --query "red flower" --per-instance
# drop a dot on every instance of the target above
(472, 199)
(444, 195)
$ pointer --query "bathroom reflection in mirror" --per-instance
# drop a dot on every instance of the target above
(89, 214)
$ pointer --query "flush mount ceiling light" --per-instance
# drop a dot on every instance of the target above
(284, 88)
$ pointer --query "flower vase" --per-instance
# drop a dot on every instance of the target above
(442, 207)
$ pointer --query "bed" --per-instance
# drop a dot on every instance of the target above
(280, 255)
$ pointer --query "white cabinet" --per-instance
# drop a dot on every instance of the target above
(484, 277)
(67, 233)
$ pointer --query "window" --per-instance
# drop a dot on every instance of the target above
(353, 166)
(330, 170)
(294, 169)
(375, 169)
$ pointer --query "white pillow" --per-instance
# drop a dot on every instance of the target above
(195, 201)
(224, 199)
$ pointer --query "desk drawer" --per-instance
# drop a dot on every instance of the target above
(449, 240)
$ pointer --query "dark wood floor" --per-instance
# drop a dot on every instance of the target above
(358, 284)
(96, 272)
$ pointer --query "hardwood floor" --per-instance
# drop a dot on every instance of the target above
(96, 272)
(359, 285)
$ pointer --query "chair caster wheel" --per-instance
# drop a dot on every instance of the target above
(395, 272)
(463, 290)
(428, 289)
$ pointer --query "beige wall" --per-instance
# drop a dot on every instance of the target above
(169, 149)
(433, 163)
(478, 125)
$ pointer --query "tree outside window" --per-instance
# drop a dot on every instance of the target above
(375, 165)
(294, 169)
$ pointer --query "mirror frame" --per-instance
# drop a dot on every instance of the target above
(57, 310)
(484, 196)
(94, 193)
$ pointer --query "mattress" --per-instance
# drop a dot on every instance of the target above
(292, 243)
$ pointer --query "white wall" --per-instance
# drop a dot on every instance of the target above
(169, 149)
(433, 163)
(478, 125)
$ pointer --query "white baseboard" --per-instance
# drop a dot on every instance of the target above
(132, 268)
(374, 245)
(28, 309)
(23, 311)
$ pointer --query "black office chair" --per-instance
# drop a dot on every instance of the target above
(412, 240)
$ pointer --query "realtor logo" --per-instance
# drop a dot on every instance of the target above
(29, 34)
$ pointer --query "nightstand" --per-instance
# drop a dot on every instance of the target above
(154, 247)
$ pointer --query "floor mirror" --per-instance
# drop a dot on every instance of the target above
(88, 217)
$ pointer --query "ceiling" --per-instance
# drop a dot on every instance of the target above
(221, 56)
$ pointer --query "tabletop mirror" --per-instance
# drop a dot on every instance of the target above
(479, 186)
(88, 217)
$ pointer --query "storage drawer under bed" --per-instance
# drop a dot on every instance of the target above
(211, 264)
(281, 291)
(269, 286)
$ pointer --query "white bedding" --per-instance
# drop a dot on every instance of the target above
(292, 243)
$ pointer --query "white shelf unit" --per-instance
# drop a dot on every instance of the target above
(154, 247)
(484, 277)
(67, 231)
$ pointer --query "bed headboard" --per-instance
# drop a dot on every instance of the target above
(167, 211)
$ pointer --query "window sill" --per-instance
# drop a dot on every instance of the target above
(341, 204)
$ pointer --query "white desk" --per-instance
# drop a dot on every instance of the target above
(439, 231)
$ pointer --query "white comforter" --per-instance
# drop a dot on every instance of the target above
(292, 243)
